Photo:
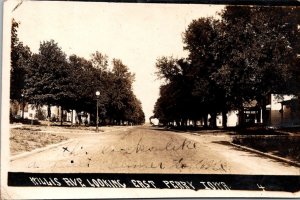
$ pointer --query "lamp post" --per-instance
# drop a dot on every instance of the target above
(97, 120)
(22, 105)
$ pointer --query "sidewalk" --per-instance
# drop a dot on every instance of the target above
(18, 125)
(266, 154)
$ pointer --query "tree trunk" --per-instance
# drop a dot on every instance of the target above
(241, 117)
(213, 121)
(264, 112)
(224, 119)
(49, 112)
(76, 117)
(72, 117)
(61, 116)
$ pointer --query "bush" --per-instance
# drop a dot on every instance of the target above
(40, 114)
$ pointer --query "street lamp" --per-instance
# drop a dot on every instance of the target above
(97, 120)
(22, 105)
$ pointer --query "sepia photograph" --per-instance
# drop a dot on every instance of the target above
(112, 100)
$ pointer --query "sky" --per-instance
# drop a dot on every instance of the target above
(136, 33)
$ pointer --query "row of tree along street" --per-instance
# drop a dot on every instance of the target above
(53, 79)
(243, 56)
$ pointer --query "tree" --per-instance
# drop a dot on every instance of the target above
(20, 59)
(84, 87)
(100, 61)
(49, 78)
(121, 90)
(117, 103)
(201, 39)
(48, 81)
(244, 57)
(260, 54)
(134, 113)
(175, 102)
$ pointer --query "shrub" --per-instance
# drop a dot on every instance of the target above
(40, 114)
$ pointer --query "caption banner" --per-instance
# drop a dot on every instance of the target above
(160, 181)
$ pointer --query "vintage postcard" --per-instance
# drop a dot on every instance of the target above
(137, 100)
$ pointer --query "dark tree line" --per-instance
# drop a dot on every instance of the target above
(52, 78)
(249, 53)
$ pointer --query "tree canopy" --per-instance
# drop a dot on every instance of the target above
(249, 53)
(20, 59)
(52, 78)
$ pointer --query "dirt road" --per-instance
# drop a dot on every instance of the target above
(148, 150)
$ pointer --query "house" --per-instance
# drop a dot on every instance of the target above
(282, 111)
(33, 112)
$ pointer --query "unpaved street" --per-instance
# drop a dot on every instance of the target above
(146, 149)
